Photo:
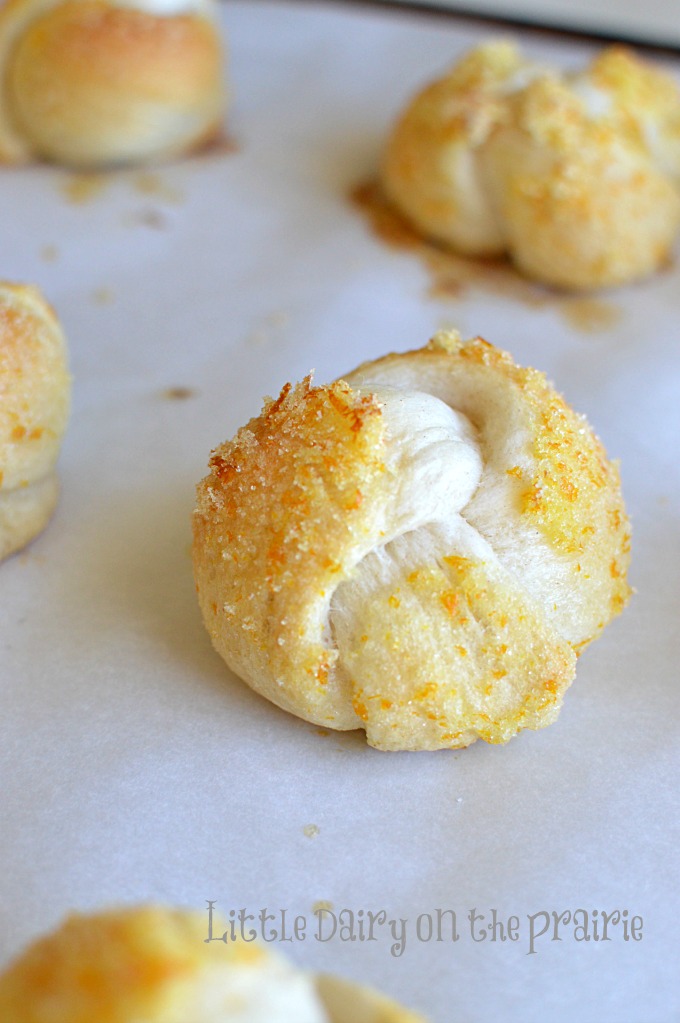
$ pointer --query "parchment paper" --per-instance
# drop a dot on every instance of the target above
(135, 766)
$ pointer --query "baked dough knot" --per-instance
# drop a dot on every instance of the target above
(576, 177)
(96, 83)
(153, 964)
(420, 550)
(35, 393)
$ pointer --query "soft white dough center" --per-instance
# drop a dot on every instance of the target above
(272, 992)
(597, 102)
(436, 464)
(434, 456)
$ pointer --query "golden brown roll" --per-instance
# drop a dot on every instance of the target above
(420, 550)
(93, 83)
(34, 405)
(575, 177)
(152, 964)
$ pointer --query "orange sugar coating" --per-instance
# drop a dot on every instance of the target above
(114, 967)
(574, 493)
(33, 384)
(34, 404)
(473, 671)
(296, 483)
(580, 197)
(153, 964)
(638, 88)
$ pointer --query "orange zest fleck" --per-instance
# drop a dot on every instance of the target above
(450, 601)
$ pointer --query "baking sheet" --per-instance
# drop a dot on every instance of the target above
(135, 766)
(655, 22)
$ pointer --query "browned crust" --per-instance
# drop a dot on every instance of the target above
(88, 44)
(89, 83)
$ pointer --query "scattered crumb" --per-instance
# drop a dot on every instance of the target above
(178, 393)
(28, 557)
(383, 220)
(310, 830)
(50, 253)
(268, 327)
(458, 327)
(459, 799)
(589, 314)
(322, 906)
(220, 144)
(451, 275)
(322, 731)
(663, 500)
(147, 183)
(146, 218)
(279, 318)
(80, 189)
(102, 296)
